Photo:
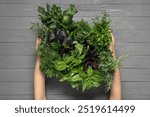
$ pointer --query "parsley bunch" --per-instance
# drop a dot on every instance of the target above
(74, 51)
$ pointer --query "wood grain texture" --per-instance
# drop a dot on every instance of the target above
(121, 23)
(77, 1)
(30, 10)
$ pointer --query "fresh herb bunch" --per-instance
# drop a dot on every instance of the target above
(75, 51)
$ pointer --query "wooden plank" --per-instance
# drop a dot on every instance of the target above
(49, 97)
(16, 97)
(136, 90)
(16, 88)
(120, 35)
(16, 22)
(25, 49)
(133, 49)
(139, 75)
(17, 49)
(21, 62)
(117, 22)
(12, 75)
(132, 36)
(131, 90)
(77, 1)
(136, 62)
(30, 97)
(29, 10)
(17, 36)
(17, 62)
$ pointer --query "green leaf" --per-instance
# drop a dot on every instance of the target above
(84, 86)
(96, 84)
(77, 62)
(65, 78)
(55, 46)
(69, 59)
(82, 73)
(60, 65)
(87, 84)
(81, 56)
(97, 78)
(75, 85)
(71, 10)
(85, 36)
(66, 18)
(78, 46)
(48, 7)
(43, 18)
(53, 26)
(89, 71)
(41, 10)
(75, 70)
(76, 78)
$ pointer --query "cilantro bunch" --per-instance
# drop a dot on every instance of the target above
(74, 51)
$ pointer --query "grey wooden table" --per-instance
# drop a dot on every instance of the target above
(131, 24)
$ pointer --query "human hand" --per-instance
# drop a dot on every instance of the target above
(112, 45)
(37, 42)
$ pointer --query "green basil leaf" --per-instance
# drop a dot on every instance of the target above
(60, 65)
(97, 78)
(65, 78)
(69, 59)
(89, 71)
(75, 85)
(87, 84)
(78, 46)
(76, 78)
(96, 84)
(82, 73)
(77, 62)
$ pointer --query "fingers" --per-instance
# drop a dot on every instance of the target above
(38, 40)
(113, 39)
(37, 43)
(112, 45)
